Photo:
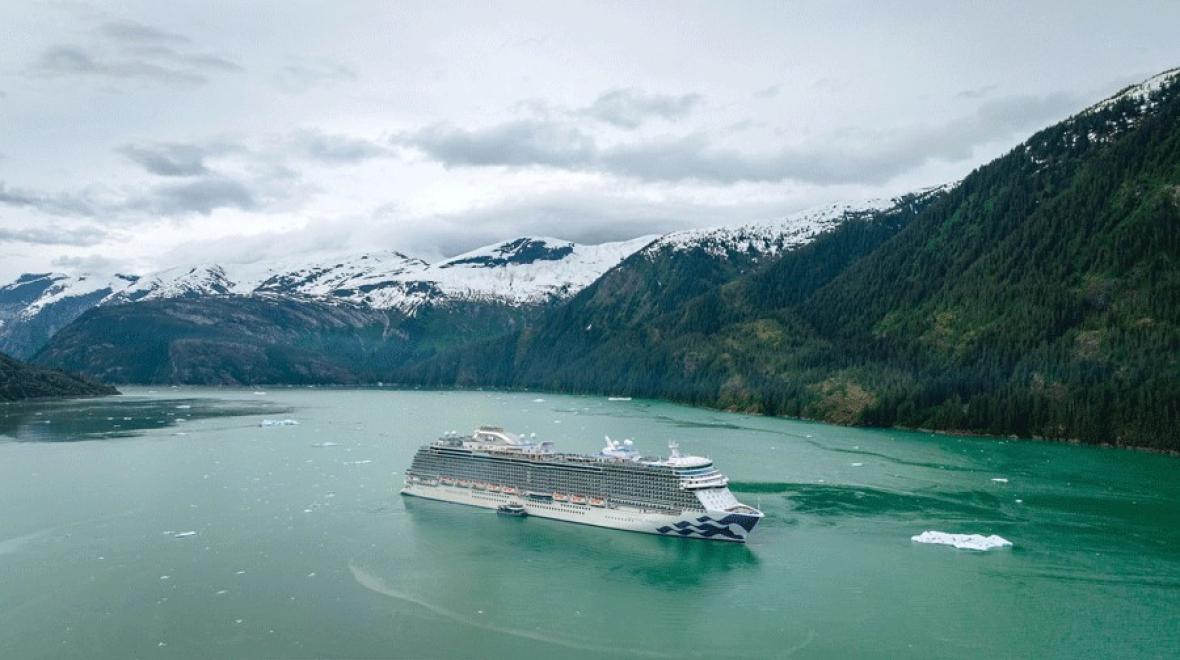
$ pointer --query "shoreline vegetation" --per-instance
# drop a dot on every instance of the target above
(640, 399)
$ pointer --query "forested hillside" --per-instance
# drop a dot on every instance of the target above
(22, 381)
(1040, 296)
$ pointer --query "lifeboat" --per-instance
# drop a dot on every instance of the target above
(578, 499)
(509, 490)
(447, 481)
(478, 485)
(597, 501)
(495, 488)
(561, 497)
(463, 483)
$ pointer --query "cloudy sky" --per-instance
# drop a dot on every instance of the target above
(138, 135)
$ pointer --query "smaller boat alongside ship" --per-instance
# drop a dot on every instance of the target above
(515, 510)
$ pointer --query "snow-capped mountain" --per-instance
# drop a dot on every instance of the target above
(1104, 121)
(526, 271)
(523, 271)
(757, 241)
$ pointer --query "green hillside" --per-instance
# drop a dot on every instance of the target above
(1041, 296)
(22, 381)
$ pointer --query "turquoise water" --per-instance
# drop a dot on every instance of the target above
(302, 548)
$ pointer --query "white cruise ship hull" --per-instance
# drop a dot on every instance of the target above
(710, 525)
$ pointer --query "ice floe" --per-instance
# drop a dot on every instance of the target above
(963, 541)
(279, 422)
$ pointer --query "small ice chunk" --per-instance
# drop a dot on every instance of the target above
(279, 422)
(358, 462)
(260, 393)
(165, 577)
(311, 574)
(182, 535)
(538, 400)
(858, 465)
(324, 444)
(1000, 480)
(221, 592)
(183, 406)
(963, 541)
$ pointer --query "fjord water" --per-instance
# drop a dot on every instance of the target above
(303, 548)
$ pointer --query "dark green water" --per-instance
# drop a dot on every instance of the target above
(305, 550)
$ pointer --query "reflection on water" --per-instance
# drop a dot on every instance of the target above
(74, 420)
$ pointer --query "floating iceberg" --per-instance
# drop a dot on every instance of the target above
(279, 422)
(963, 541)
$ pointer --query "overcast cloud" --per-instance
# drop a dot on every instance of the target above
(140, 137)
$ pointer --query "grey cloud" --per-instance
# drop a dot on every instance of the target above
(204, 61)
(202, 196)
(516, 143)
(338, 148)
(631, 108)
(855, 157)
(300, 77)
(769, 92)
(54, 235)
(128, 50)
(583, 217)
(133, 32)
(52, 203)
(75, 61)
(976, 93)
(89, 264)
(169, 158)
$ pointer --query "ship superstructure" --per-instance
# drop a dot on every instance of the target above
(679, 495)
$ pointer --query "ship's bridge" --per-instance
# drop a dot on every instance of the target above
(695, 472)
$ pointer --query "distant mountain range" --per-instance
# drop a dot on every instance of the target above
(1038, 296)
(350, 320)
(523, 272)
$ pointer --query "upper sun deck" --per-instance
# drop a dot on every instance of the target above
(696, 470)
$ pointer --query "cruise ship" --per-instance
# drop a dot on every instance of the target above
(683, 496)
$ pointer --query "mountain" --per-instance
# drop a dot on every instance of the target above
(523, 272)
(22, 381)
(613, 336)
(1039, 297)
(367, 318)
